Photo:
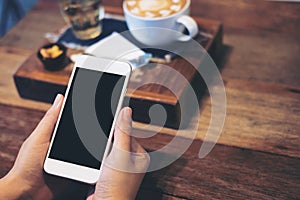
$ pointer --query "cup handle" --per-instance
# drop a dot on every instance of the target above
(190, 24)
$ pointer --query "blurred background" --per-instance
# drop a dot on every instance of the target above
(11, 11)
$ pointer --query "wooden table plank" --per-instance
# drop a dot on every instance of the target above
(251, 16)
(227, 172)
(271, 58)
(12, 59)
(264, 36)
(260, 116)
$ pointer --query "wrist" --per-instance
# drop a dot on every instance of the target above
(12, 188)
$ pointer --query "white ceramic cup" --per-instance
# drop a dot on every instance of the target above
(161, 30)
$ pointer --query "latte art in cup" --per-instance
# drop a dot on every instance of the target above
(154, 8)
(158, 23)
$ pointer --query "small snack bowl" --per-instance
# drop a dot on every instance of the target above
(53, 56)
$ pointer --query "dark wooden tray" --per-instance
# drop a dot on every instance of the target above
(33, 82)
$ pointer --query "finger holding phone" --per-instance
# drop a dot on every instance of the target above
(83, 134)
(27, 176)
(120, 184)
(27, 180)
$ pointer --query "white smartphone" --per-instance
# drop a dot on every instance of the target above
(82, 136)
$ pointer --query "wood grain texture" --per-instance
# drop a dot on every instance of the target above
(226, 173)
(260, 116)
(254, 118)
(264, 36)
(12, 58)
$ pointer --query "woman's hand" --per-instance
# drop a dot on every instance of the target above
(125, 166)
(26, 178)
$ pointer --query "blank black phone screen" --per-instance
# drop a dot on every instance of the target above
(87, 117)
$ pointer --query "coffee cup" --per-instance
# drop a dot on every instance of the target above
(159, 22)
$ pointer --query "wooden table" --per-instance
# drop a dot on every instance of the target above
(258, 153)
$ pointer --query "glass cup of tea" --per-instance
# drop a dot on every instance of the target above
(84, 17)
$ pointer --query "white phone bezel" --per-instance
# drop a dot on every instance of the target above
(74, 171)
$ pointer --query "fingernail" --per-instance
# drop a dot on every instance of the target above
(57, 100)
(129, 112)
(125, 120)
